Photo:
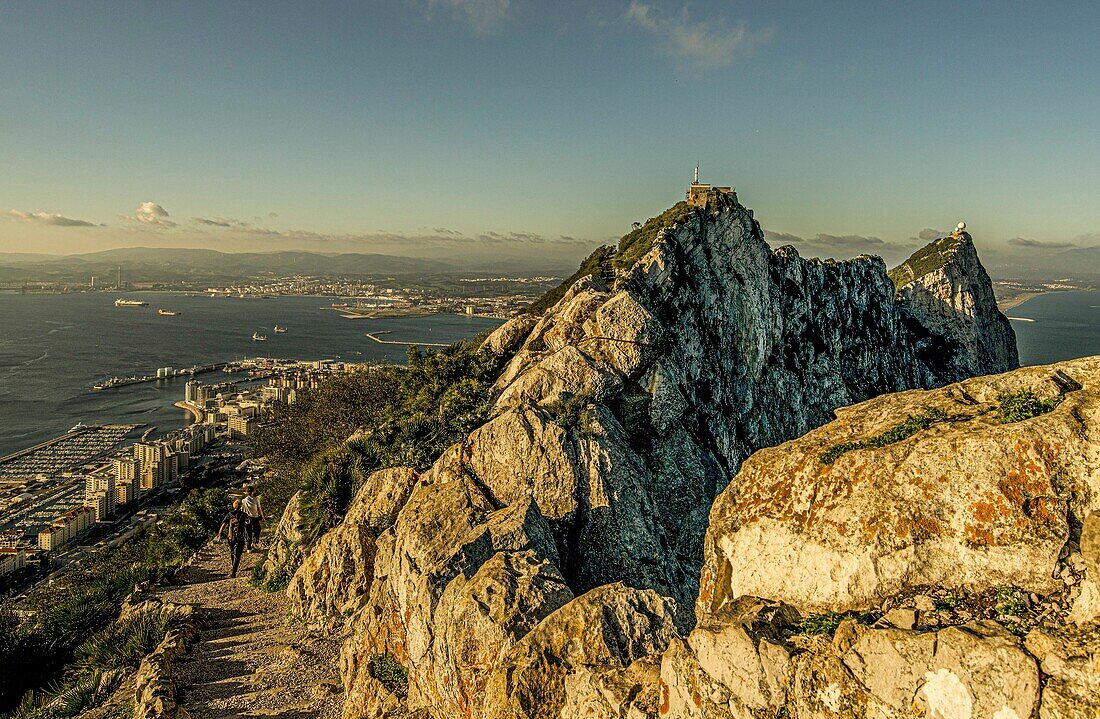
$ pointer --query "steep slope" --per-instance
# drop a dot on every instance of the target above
(622, 413)
(945, 289)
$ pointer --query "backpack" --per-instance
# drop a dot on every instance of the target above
(236, 523)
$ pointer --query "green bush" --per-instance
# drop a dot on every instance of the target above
(328, 485)
(897, 433)
(387, 670)
(827, 622)
(635, 244)
(1018, 406)
(417, 412)
(1009, 601)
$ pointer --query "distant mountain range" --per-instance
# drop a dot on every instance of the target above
(157, 264)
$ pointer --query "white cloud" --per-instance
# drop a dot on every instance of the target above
(482, 16)
(707, 44)
(45, 218)
(150, 213)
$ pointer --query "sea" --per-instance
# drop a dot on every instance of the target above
(53, 348)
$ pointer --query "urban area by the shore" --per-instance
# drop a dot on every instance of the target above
(96, 486)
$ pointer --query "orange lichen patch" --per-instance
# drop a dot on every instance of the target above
(1046, 510)
(978, 536)
(983, 511)
(663, 709)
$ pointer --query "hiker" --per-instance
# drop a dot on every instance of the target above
(255, 513)
(236, 524)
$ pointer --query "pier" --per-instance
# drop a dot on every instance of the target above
(374, 336)
(186, 372)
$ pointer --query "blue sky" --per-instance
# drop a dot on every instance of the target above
(397, 126)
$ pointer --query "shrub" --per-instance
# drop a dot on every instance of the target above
(569, 411)
(1018, 406)
(328, 486)
(589, 266)
(827, 622)
(387, 670)
(1008, 601)
(897, 433)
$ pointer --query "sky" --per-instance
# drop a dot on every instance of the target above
(528, 126)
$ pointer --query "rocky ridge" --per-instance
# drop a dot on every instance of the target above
(548, 565)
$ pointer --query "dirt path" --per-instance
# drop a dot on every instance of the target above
(250, 660)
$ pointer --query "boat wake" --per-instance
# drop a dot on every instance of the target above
(1021, 319)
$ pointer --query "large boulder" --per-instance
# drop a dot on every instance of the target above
(330, 582)
(604, 630)
(977, 670)
(967, 502)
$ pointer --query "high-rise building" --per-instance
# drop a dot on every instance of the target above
(100, 493)
(127, 469)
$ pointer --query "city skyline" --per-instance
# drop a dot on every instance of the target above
(444, 128)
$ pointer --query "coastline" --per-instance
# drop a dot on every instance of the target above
(1016, 300)
(196, 415)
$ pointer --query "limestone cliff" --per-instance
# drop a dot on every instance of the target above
(544, 565)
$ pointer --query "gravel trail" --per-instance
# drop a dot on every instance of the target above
(251, 661)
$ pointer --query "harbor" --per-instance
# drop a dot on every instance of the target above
(161, 374)
(52, 458)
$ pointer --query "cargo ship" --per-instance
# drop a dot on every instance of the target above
(130, 303)
(167, 313)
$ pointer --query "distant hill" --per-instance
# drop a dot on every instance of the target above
(154, 264)
(165, 264)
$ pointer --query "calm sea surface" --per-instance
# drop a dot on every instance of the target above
(1057, 326)
(53, 348)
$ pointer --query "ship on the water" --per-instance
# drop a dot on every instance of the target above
(130, 303)
(279, 330)
(257, 337)
(167, 313)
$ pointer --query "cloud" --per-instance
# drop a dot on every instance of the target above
(841, 246)
(928, 234)
(1040, 244)
(482, 16)
(208, 221)
(706, 44)
(45, 218)
(150, 213)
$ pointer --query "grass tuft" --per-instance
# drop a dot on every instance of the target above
(897, 433)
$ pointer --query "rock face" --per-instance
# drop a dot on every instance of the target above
(547, 565)
(968, 502)
(944, 288)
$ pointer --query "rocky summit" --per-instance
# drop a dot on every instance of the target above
(874, 529)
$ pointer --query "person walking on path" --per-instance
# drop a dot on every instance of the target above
(250, 505)
(236, 526)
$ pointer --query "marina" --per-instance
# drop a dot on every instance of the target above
(79, 446)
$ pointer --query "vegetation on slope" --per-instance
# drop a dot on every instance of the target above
(636, 243)
(394, 415)
(63, 618)
(631, 248)
(927, 259)
(590, 266)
